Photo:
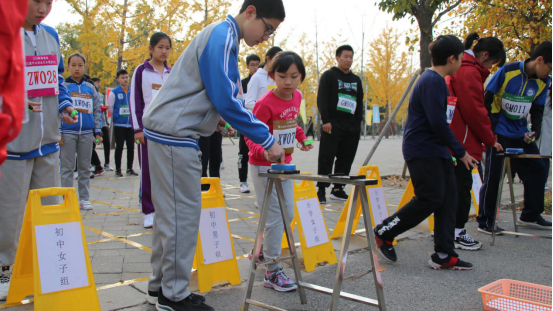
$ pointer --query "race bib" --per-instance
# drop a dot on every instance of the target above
(346, 103)
(124, 111)
(41, 75)
(285, 134)
(516, 107)
(155, 89)
(82, 102)
(451, 104)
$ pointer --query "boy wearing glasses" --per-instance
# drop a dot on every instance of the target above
(516, 90)
(202, 87)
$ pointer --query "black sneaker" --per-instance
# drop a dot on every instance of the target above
(466, 242)
(118, 173)
(338, 194)
(192, 302)
(151, 297)
(386, 247)
(450, 262)
(131, 172)
(541, 223)
(488, 230)
(321, 195)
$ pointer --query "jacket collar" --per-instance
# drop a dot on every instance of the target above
(70, 80)
(469, 60)
(148, 66)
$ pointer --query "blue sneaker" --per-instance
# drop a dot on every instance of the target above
(279, 281)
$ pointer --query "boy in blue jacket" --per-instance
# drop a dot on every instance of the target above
(202, 87)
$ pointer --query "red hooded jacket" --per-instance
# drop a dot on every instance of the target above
(470, 124)
(12, 70)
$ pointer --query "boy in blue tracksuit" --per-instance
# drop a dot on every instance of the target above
(202, 87)
(118, 102)
(516, 90)
(33, 157)
(77, 138)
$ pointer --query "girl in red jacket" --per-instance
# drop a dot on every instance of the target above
(469, 121)
(279, 109)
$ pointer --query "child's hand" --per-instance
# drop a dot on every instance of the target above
(98, 139)
(35, 106)
(266, 156)
(139, 138)
(71, 115)
(306, 147)
(469, 161)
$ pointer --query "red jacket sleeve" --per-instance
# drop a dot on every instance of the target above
(300, 134)
(263, 114)
(469, 89)
(12, 71)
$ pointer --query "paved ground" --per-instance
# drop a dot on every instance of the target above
(120, 249)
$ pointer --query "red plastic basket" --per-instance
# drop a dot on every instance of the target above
(511, 295)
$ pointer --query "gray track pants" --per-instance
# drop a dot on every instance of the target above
(274, 227)
(175, 173)
(80, 145)
(18, 177)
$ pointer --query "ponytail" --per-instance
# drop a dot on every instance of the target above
(492, 45)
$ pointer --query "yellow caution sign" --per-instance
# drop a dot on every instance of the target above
(377, 203)
(316, 246)
(215, 259)
(284, 244)
(475, 192)
(52, 262)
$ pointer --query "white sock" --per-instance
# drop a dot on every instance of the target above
(458, 232)
(442, 255)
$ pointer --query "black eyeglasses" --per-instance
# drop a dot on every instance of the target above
(269, 31)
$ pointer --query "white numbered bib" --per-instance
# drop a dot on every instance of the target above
(155, 89)
(285, 134)
(346, 103)
(451, 104)
(41, 75)
(124, 111)
(82, 102)
(516, 107)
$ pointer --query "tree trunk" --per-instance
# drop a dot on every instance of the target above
(122, 38)
(424, 19)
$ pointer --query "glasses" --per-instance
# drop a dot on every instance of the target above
(268, 29)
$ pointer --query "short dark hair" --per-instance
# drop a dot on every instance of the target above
(491, 45)
(342, 48)
(121, 72)
(252, 57)
(444, 47)
(266, 8)
(95, 79)
(284, 60)
(76, 55)
(544, 50)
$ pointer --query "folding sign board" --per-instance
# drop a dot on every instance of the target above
(52, 262)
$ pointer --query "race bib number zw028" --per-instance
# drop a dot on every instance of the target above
(285, 133)
(124, 111)
(82, 102)
(41, 75)
(516, 107)
(451, 104)
(346, 103)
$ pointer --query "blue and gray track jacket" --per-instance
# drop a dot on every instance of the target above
(203, 86)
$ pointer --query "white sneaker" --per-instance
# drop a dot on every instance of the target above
(108, 167)
(5, 277)
(92, 168)
(76, 175)
(85, 205)
(222, 167)
(149, 220)
(244, 188)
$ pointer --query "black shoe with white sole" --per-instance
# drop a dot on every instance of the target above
(339, 195)
(541, 223)
(488, 230)
(466, 242)
(450, 262)
(321, 195)
(191, 303)
(385, 247)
